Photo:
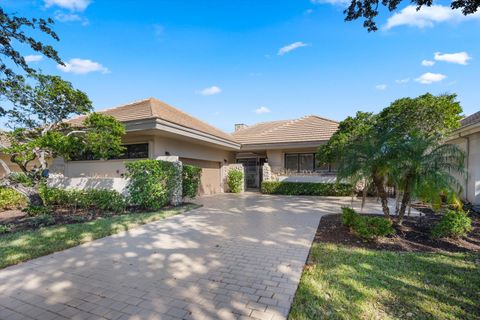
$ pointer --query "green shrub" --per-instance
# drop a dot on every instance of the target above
(11, 199)
(235, 180)
(5, 228)
(41, 221)
(454, 223)
(105, 200)
(33, 211)
(190, 180)
(348, 216)
(151, 183)
(366, 227)
(306, 188)
(22, 178)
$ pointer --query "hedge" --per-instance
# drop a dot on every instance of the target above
(152, 183)
(366, 227)
(190, 180)
(235, 180)
(306, 188)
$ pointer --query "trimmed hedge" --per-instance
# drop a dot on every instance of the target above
(366, 227)
(105, 200)
(306, 188)
(235, 180)
(191, 176)
(151, 184)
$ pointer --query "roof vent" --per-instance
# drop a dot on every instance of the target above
(239, 126)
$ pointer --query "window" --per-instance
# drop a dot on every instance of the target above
(291, 162)
(304, 163)
(132, 151)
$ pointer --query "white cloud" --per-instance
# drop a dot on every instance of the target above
(381, 86)
(333, 2)
(403, 81)
(262, 110)
(428, 63)
(458, 58)
(33, 58)
(82, 66)
(70, 17)
(73, 5)
(428, 78)
(291, 47)
(210, 91)
(427, 16)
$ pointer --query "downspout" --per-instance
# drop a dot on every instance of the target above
(467, 156)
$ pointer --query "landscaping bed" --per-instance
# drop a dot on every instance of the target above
(408, 275)
(413, 235)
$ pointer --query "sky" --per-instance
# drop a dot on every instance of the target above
(249, 61)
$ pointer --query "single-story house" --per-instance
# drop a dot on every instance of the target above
(157, 130)
(467, 137)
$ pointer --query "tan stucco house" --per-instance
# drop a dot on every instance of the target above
(157, 130)
(467, 137)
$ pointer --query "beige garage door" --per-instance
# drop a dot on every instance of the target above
(211, 175)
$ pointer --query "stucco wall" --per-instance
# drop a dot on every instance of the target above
(158, 146)
(471, 183)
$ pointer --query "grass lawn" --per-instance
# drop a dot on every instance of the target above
(342, 282)
(26, 245)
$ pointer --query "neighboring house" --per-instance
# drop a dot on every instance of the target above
(467, 137)
(156, 130)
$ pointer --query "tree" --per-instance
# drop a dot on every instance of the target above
(40, 130)
(368, 9)
(357, 150)
(424, 168)
(12, 32)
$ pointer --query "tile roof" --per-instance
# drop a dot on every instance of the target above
(305, 129)
(471, 119)
(155, 109)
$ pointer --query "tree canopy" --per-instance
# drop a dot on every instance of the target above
(12, 33)
(369, 9)
(401, 146)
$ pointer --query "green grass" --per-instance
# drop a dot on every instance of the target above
(351, 283)
(26, 245)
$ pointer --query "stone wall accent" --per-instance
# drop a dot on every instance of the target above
(267, 172)
(226, 169)
(177, 193)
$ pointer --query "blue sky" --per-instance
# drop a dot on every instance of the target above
(249, 61)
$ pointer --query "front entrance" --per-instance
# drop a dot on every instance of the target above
(253, 171)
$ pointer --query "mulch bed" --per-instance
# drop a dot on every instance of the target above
(412, 236)
(17, 220)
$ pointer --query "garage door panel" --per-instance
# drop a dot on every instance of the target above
(210, 182)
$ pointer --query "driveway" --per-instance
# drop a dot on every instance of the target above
(239, 256)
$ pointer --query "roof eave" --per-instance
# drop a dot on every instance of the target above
(167, 126)
(465, 131)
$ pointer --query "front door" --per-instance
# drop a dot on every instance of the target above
(252, 179)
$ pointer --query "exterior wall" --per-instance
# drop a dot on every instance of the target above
(471, 184)
(14, 167)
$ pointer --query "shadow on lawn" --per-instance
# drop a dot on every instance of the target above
(347, 283)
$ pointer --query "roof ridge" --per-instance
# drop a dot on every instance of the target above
(323, 118)
(288, 123)
(113, 108)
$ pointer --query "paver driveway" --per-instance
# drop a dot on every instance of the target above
(238, 256)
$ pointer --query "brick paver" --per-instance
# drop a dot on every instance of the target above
(238, 257)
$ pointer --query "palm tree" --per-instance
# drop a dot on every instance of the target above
(367, 159)
(425, 168)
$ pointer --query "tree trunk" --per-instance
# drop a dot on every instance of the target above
(405, 201)
(31, 193)
(378, 180)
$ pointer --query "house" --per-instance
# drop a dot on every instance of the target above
(157, 130)
(467, 137)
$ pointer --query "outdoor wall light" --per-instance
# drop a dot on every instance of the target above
(167, 153)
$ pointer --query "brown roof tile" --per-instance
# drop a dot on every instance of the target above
(152, 109)
(471, 119)
(305, 129)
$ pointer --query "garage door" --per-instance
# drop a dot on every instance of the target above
(211, 175)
